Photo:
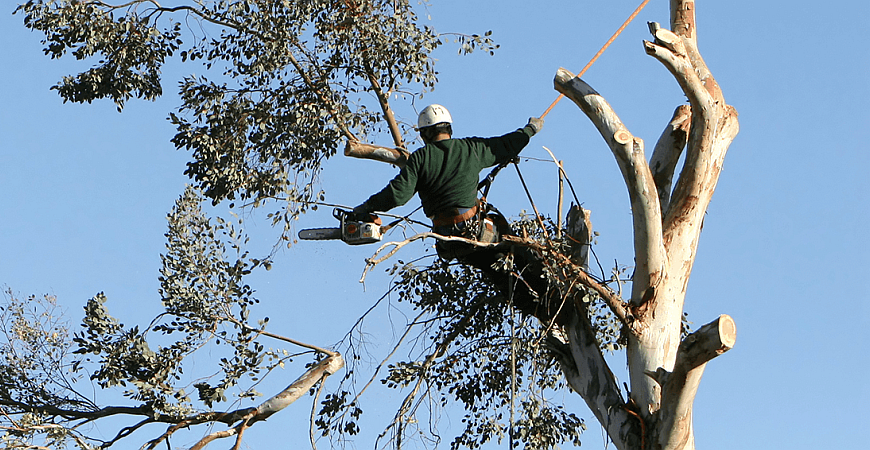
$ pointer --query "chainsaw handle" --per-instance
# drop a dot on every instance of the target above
(343, 215)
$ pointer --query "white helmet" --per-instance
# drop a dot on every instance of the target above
(433, 115)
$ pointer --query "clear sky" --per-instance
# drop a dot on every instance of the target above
(784, 249)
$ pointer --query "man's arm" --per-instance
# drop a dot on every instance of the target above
(507, 147)
(396, 193)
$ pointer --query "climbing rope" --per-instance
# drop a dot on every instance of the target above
(600, 52)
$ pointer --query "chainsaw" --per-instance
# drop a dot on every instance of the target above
(354, 229)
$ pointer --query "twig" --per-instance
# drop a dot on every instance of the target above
(372, 261)
(384, 361)
(314, 411)
(616, 304)
(439, 351)
(281, 338)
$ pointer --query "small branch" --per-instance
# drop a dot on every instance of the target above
(279, 337)
(314, 88)
(214, 436)
(126, 431)
(667, 153)
(384, 101)
(383, 362)
(439, 351)
(616, 304)
(374, 261)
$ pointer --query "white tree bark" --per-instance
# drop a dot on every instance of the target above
(664, 372)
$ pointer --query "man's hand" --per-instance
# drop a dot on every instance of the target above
(361, 209)
(536, 124)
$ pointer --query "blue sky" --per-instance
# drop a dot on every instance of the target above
(784, 249)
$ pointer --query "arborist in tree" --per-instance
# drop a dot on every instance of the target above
(445, 173)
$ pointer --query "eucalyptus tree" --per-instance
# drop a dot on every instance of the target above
(288, 83)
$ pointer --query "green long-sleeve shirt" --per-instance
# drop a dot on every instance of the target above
(445, 173)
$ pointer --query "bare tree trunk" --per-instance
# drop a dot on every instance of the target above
(664, 372)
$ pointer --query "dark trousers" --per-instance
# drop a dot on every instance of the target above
(525, 285)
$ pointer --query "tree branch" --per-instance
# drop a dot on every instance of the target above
(616, 304)
(279, 337)
(405, 408)
(680, 386)
(374, 261)
(713, 127)
(648, 246)
(290, 394)
(671, 51)
(396, 156)
(587, 372)
(667, 153)
(384, 101)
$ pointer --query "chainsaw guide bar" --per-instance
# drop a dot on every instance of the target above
(320, 234)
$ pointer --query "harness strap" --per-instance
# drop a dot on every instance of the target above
(453, 216)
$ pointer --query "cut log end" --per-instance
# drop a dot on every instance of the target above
(727, 331)
(622, 136)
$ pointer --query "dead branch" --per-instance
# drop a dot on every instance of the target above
(290, 394)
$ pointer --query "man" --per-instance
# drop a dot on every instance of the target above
(445, 173)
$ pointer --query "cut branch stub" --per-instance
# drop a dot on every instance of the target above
(622, 136)
(708, 342)
(680, 387)
(670, 40)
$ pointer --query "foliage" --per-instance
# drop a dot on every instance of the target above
(286, 81)
(35, 371)
(206, 306)
(469, 349)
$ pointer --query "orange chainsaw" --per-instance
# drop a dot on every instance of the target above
(354, 229)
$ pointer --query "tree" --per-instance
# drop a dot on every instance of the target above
(291, 84)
